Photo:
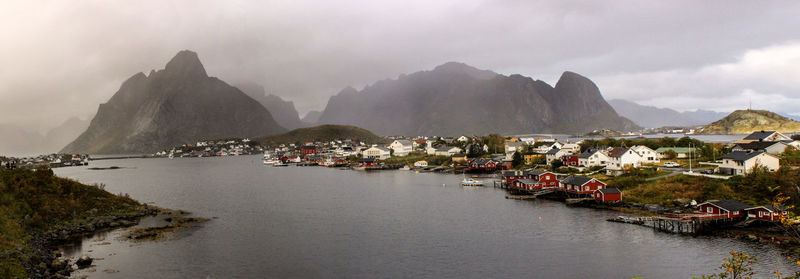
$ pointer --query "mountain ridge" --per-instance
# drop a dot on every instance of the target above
(748, 121)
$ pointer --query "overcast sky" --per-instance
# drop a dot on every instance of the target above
(61, 59)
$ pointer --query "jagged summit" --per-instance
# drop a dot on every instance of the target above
(462, 68)
(178, 105)
(186, 64)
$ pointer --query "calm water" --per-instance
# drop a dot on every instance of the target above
(318, 222)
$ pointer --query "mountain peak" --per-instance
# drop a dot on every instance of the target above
(186, 63)
(462, 68)
(747, 121)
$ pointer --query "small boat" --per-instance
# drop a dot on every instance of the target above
(471, 182)
(280, 164)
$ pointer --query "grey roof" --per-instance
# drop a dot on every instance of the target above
(576, 180)
(730, 205)
(758, 145)
(515, 173)
(759, 135)
(741, 156)
(553, 151)
(404, 142)
(538, 172)
(610, 191)
(769, 207)
(586, 154)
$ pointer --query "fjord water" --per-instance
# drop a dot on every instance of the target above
(320, 222)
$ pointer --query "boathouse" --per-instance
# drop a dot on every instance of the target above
(581, 185)
(524, 184)
(608, 195)
(510, 175)
(766, 213)
(730, 209)
(367, 162)
(308, 150)
(545, 179)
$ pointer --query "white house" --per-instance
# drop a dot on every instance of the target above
(764, 136)
(447, 151)
(376, 152)
(512, 147)
(592, 157)
(622, 157)
(421, 164)
(771, 147)
(401, 147)
(554, 154)
(571, 148)
(742, 162)
(648, 155)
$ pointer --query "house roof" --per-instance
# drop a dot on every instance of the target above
(609, 191)
(460, 155)
(576, 180)
(515, 173)
(381, 148)
(617, 151)
(759, 135)
(587, 154)
(538, 172)
(729, 205)
(769, 208)
(514, 143)
(758, 145)
(404, 142)
(741, 156)
(553, 151)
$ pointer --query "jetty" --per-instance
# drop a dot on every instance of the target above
(689, 224)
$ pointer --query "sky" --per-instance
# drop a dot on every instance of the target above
(61, 59)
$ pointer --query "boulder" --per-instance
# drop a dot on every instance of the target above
(84, 261)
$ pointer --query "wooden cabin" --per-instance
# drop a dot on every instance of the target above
(581, 185)
(766, 213)
(730, 209)
(608, 195)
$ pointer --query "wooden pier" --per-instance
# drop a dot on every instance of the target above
(689, 224)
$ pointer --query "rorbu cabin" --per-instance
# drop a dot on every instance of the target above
(766, 213)
(367, 162)
(730, 209)
(510, 175)
(608, 195)
(546, 179)
(524, 184)
(581, 185)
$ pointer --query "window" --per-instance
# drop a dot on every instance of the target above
(761, 214)
(587, 188)
(710, 209)
(736, 213)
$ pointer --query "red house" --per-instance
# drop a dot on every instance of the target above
(766, 213)
(546, 179)
(308, 150)
(570, 160)
(524, 184)
(511, 175)
(581, 185)
(367, 162)
(608, 195)
(728, 208)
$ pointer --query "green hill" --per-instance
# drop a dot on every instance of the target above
(322, 133)
(748, 121)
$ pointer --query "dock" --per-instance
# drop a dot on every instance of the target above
(521, 197)
(689, 224)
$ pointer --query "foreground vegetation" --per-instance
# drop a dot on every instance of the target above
(33, 204)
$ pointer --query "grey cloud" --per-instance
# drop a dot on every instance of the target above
(68, 57)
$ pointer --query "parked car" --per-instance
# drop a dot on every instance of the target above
(671, 165)
(707, 171)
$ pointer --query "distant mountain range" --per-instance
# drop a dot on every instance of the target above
(457, 99)
(653, 117)
(748, 121)
(312, 117)
(177, 105)
(16, 141)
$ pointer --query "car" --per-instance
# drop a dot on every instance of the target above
(707, 171)
(671, 165)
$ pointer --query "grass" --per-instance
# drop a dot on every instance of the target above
(37, 202)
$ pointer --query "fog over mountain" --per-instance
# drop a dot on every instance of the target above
(63, 61)
(177, 105)
(457, 99)
(283, 111)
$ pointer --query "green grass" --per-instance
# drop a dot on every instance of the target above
(38, 201)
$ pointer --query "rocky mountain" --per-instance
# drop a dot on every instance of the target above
(284, 112)
(653, 117)
(456, 99)
(748, 121)
(62, 135)
(322, 133)
(177, 105)
(312, 117)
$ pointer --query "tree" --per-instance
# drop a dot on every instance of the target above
(738, 266)
(670, 154)
(556, 164)
(474, 150)
(516, 159)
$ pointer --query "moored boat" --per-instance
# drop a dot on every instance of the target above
(471, 182)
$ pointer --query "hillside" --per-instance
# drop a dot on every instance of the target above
(177, 105)
(748, 121)
(322, 133)
(457, 99)
(312, 117)
(653, 117)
